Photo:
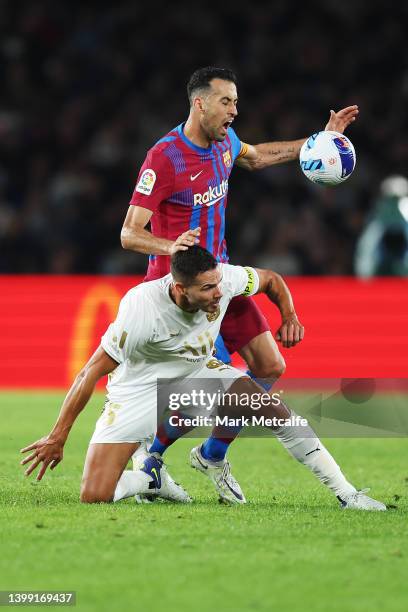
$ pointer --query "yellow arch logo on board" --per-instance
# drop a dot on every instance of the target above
(99, 295)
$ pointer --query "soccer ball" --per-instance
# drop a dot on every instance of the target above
(327, 158)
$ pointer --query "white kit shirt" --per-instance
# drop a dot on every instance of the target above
(154, 338)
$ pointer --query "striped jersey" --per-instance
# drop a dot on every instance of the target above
(186, 186)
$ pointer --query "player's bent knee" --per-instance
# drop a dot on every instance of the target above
(90, 497)
(95, 495)
(272, 369)
(279, 368)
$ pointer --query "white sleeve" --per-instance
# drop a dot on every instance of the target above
(131, 329)
(244, 280)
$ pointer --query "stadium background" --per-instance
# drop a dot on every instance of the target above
(86, 92)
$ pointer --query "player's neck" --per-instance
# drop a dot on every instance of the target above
(181, 301)
(195, 133)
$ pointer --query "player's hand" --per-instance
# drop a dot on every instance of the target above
(47, 451)
(340, 120)
(291, 332)
(186, 240)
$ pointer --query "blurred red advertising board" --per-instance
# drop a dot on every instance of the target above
(52, 324)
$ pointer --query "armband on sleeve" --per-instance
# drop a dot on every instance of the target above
(243, 151)
(252, 285)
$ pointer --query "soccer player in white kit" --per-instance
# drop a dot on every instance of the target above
(166, 329)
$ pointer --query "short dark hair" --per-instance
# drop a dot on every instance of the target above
(201, 78)
(185, 265)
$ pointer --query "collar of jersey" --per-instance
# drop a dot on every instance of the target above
(180, 130)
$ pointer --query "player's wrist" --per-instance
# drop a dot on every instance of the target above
(288, 315)
(58, 436)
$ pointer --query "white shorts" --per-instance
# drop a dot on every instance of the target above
(136, 420)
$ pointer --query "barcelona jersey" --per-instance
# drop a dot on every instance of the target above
(186, 186)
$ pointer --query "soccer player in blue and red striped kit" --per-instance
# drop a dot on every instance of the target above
(182, 191)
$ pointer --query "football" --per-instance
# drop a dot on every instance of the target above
(327, 158)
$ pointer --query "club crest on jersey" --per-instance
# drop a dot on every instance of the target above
(146, 182)
(227, 159)
(214, 363)
(213, 316)
(212, 195)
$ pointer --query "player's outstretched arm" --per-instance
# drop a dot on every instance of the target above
(49, 450)
(135, 237)
(291, 332)
(267, 154)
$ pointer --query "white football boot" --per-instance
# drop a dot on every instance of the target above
(171, 490)
(360, 501)
(162, 484)
(219, 472)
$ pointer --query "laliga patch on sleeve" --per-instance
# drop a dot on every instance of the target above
(146, 182)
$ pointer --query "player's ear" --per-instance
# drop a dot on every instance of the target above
(198, 104)
(179, 289)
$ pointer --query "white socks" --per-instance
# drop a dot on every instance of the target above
(141, 454)
(131, 483)
(311, 452)
(307, 450)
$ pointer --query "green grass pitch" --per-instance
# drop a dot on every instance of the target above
(290, 548)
